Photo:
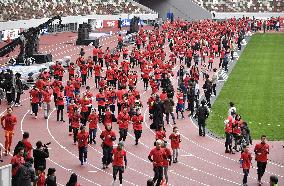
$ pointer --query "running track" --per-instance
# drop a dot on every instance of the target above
(202, 161)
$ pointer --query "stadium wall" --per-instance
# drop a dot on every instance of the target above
(184, 9)
(257, 15)
(24, 24)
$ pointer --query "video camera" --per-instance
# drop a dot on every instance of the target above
(45, 145)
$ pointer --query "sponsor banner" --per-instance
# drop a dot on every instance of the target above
(99, 23)
(12, 34)
(110, 23)
(126, 22)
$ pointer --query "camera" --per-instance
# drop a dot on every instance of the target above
(45, 145)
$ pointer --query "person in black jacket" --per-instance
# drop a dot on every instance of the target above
(18, 89)
(51, 178)
(40, 154)
(202, 113)
(158, 109)
(25, 174)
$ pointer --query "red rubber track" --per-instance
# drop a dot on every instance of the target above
(202, 161)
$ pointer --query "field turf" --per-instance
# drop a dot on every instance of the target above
(256, 86)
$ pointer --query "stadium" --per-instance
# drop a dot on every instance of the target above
(144, 92)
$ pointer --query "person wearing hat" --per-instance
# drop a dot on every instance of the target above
(119, 161)
(202, 113)
(83, 137)
(51, 178)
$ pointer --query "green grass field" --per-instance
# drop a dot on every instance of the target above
(256, 86)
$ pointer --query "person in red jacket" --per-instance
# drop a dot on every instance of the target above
(160, 133)
(84, 72)
(46, 99)
(35, 99)
(101, 99)
(41, 177)
(167, 161)
(245, 163)
(83, 137)
(137, 121)
(175, 143)
(75, 124)
(17, 161)
(90, 66)
(261, 150)
(228, 133)
(60, 104)
(8, 123)
(123, 120)
(95, 54)
(93, 125)
(119, 162)
(71, 70)
(157, 156)
(98, 70)
(108, 136)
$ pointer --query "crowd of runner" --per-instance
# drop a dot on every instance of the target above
(193, 48)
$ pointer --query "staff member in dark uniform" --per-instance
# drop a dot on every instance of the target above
(40, 154)
(202, 113)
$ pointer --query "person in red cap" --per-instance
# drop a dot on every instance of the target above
(119, 162)
(8, 123)
(83, 137)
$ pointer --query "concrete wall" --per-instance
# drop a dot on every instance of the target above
(257, 15)
(71, 19)
(185, 9)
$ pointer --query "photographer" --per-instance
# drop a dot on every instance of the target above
(40, 154)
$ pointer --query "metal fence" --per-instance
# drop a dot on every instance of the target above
(6, 175)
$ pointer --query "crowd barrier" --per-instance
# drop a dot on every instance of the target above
(6, 175)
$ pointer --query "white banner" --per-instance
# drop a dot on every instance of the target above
(12, 34)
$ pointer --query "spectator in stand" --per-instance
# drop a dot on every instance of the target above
(73, 180)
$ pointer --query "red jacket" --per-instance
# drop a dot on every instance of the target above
(83, 139)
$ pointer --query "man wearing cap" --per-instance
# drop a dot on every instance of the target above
(118, 156)
(83, 137)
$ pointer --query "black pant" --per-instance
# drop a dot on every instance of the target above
(60, 109)
(95, 58)
(90, 72)
(146, 83)
(92, 134)
(101, 110)
(101, 61)
(83, 154)
(158, 171)
(201, 125)
(84, 79)
(120, 170)
(137, 134)
(75, 132)
(18, 97)
(106, 154)
(214, 88)
(261, 166)
(9, 97)
(84, 118)
(245, 179)
(228, 142)
(123, 134)
(35, 108)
